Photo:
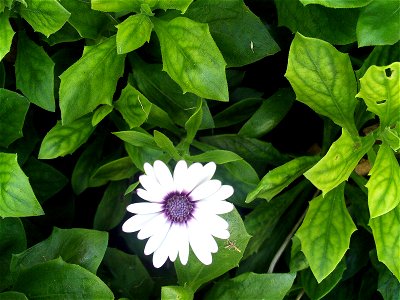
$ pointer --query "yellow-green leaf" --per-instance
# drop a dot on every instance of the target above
(6, 34)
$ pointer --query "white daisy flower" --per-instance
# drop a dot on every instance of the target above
(181, 209)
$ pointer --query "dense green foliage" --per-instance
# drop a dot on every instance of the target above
(269, 90)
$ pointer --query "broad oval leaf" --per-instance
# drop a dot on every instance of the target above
(91, 80)
(133, 33)
(121, 168)
(191, 57)
(263, 286)
(323, 79)
(16, 196)
(34, 72)
(386, 232)
(13, 108)
(338, 3)
(137, 139)
(378, 23)
(279, 178)
(65, 139)
(84, 247)
(218, 156)
(325, 232)
(341, 159)
(56, 279)
(384, 183)
(6, 34)
(380, 90)
(46, 17)
(166, 144)
(230, 252)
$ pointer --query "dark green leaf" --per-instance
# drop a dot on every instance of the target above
(388, 285)
(6, 34)
(176, 292)
(46, 17)
(118, 169)
(237, 112)
(12, 296)
(65, 139)
(13, 108)
(34, 72)
(81, 93)
(238, 33)
(16, 196)
(191, 58)
(82, 247)
(58, 280)
(112, 207)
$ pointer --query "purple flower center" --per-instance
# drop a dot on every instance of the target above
(178, 207)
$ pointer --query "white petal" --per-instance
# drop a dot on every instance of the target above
(156, 240)
(163, 174)
(198, 242)
(209, 219)
(159, 257)
(172, 242)
(151, 228)
(217, 207)
(180, 175)
(144, 208)
(135, 223)
(223, 193)
(152, 196)
(205, 189)
(183, 244)
(197, 174)
(150, 183)
(148, 169)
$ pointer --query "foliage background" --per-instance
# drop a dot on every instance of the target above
(90, 90)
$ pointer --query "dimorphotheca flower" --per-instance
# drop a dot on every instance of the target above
(181, 209)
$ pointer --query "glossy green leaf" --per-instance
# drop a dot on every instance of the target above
(270, 113)
(133, 33)
(166, 144)
(319, 290)
(13, 108)
(16, 196)
(237, 112)
(100, 113)
(218, 156)
(57, 279)
(341, 159)
(380, 90)
(386, 231)
(126, 275)
(239, 34)
(325, 232)
(12, 296)
(46, 17)
(336, 26)
(279, 178)
(46, 181)
(137, 139)
(253, 286)
(6, 34)
(195, 273)
(80, 93)
(191, 58)
(84, 247)
(133, 106)
(12, 240)
(87, 22)
(118, 169)
(112, 207)
(323, 79)
(384, 183)
(176, 292)
(142, 154)
(34, 72)
(65, 139)
(135, 5)
(131, 188)
(378, 23)
(338, 3)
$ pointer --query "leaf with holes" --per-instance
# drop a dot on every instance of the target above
(325, 232)
(380, 90)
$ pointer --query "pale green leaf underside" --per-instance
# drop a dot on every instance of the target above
(133, 33)
(16, 195)
(386, 231)
(191, 57)
(325, 232)
(380, 90)
(341, 159)
(135, 5)
(279, 178)
(6, 34)
(90, 81)
(65, 139)
(323, 79)
(384, 183)
(338, 3)
(46, 17)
